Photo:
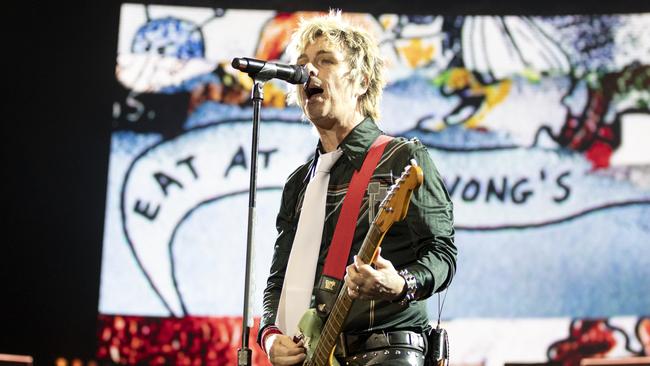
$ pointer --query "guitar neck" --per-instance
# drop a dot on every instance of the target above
(338, 315)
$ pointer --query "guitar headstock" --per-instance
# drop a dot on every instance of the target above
(395, 206)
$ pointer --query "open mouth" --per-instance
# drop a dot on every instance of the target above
(312, 90)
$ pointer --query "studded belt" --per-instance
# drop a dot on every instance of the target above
(356, 343)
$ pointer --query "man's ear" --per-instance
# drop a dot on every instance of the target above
(363, 85)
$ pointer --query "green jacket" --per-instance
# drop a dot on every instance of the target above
(423, 242)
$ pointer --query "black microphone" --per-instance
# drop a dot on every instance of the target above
(264, 70)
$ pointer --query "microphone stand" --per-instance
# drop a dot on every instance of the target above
(244, 354)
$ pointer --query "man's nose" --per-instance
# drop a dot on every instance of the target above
(311, 69)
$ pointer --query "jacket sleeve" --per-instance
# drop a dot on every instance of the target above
(286, 227)
(431, 224)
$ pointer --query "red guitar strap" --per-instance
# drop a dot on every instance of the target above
(346, 225)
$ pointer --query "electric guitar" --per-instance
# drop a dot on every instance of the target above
(320, 340)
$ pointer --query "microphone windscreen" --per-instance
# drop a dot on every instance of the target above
(301, 75)
(239, 63)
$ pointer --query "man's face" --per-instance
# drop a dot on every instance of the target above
(330, 96)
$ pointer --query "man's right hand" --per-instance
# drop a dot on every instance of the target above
(284, 351)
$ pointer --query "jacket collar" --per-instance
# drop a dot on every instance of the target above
(355, 145)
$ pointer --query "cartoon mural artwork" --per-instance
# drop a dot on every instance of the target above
(587, 338)
(539, 125)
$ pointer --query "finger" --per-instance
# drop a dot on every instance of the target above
(353, 278)
(365, 270)
(352, 292)
(360, 265)
(375, 255)
(286, 341)
(351, 269)
(358, 262)
(381, 263)
(289, 360)
(292, 351)
(285, 345)
(378, 256)
(286, 352)
(350, 283)
(361, 293)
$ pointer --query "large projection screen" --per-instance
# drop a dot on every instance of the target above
(539, 125)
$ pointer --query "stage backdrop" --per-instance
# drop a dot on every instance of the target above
(539, 125)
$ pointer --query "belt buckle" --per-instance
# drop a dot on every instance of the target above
(394, 338)
(405, 338)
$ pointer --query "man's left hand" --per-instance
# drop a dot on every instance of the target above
(379, 283)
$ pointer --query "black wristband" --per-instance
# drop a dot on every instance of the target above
(411, 287)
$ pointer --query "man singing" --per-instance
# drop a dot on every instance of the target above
(388, 320)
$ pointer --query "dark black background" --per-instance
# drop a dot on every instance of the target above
(58, 67)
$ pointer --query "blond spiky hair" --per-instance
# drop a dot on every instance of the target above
(363, 55)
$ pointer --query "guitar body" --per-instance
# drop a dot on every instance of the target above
(310, 326)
